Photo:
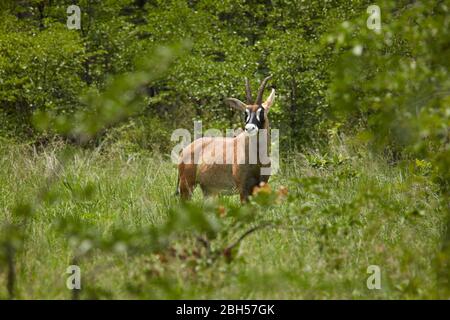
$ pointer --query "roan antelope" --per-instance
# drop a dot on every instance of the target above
(230, 164)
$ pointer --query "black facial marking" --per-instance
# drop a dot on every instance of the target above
(256, 118)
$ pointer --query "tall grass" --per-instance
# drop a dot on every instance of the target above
(345, 210)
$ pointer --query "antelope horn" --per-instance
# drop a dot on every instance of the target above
(261, 90)
(248, 91)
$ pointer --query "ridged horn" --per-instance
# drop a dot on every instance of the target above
(261, 90)
(248, 91)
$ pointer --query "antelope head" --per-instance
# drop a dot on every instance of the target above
(255, 111)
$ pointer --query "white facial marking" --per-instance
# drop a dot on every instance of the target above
(251, 129)
(247, 115)
(258, 113)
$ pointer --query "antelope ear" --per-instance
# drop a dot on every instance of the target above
(268, 103)
(236, 103)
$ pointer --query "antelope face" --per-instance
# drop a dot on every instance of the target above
(254, 119)
(255, 112)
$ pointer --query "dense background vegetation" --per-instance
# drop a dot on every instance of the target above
(86, 118)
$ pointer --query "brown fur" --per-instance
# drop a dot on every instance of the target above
(236, 175)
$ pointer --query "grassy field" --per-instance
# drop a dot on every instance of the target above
(344, 210)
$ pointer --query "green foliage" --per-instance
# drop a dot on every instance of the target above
(39, 71)
(396, 83)
(311, 235)
(138, 69)
(230, 40)
(397, 80)
(121, 99)
(139, 134)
